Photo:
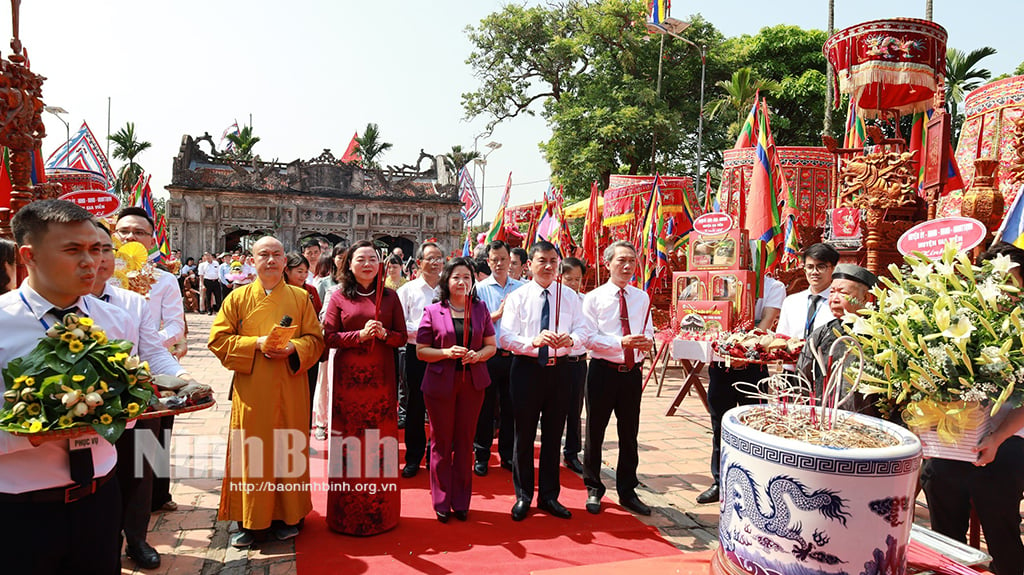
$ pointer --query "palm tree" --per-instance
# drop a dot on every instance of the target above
(370, 147)
(242, 143)
(962, 76)
(126, 148)
(739, 95)
(458, 158)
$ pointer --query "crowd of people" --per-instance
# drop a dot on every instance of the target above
(488, 348)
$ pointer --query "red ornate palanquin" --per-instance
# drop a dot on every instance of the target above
(626, 199)
(808, 172)
(987, 132)
(73, 180)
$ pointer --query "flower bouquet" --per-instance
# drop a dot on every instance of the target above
(237, 273)
(132, 268)
(942, 348)
(75, 378)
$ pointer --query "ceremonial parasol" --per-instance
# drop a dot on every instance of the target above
(888, 64)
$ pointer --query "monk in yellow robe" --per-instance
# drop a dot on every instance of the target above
(266, 485)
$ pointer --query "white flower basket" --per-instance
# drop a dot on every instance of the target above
(979, 425)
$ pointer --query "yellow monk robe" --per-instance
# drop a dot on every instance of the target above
(270, 403)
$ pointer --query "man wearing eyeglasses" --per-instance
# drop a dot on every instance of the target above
(415, 296)
(805, 311)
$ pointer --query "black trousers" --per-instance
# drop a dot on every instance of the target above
(573, 422)
(610, 391)
(496, 395)
(136, 488)
(80, 538)
(311, 376)
(403, 388)
(415, 435)
(722, 397)
(539, 393)
(162, 482)
(995, 490)
(213, 295)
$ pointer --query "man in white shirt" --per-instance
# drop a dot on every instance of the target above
(211, 283)
(493, 291)
(46, 483)
(168, 312)
(805, 311)
(136, 490)
(618, 315)
(572, 272)
(722, 395)
(541, 323)
(312, 250)
(415, 296)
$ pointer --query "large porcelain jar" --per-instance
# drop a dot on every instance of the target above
(792, 508)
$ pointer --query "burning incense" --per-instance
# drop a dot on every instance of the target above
(379, 293)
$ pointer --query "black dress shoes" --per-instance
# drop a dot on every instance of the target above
(506, 464)
(710, 495)
(461, 515)
(574, 465)
(593, 504)
(520, 509)
(410, 470)
(634, 504)
(555, 508)
(442, 516)
(143, 554)
(480, 468)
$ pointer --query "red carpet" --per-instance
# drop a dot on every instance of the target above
(489, 543)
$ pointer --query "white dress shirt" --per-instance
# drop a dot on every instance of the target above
(166, 308)
(142, 330)
(521, 320)
(415, 296)
(211, 271)
(601, 310)
(579, 349)
(25, 317)
(793, 317)
(774, 295)
(493, 294)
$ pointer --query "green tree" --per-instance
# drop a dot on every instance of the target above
(370, 147)
(457, 158)
(738, 98)
(242, 143)
(126, 147)
(962, 76)
(1019, 70)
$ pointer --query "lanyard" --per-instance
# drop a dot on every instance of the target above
(43, 323)
(810, 317)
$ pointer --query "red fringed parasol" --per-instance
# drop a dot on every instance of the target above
(888, 64)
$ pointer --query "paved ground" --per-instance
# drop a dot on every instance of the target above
(674, 454)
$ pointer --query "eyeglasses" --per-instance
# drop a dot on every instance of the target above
(817, 267)
(433, 260)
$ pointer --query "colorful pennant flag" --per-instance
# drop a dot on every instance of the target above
(762, 219)
(468, 196)
(229, 131)
(497, 231)
(592, 227)
(1011, 230)
(651, 244)
(659, 11)
(748, 132)
(856, 135)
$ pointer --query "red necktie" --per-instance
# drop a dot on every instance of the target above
(624, 318)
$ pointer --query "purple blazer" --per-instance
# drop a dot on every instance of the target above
(438, 330)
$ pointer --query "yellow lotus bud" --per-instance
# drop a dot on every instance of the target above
(53, 331)
(78, 333)
(80, 409)
(93, 399)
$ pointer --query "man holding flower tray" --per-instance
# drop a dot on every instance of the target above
(59, 495)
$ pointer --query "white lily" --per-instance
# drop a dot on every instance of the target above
(990, 292)
(961, 331)
(1002, 264)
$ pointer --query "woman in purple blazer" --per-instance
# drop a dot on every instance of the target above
(453, 386)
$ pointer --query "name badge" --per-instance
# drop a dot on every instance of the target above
(79, 443)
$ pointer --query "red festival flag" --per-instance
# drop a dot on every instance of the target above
(762, 219)
(352, 154)
(497, 231)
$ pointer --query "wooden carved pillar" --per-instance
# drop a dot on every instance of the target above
(21, 123)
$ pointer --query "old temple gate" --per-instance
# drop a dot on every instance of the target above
(217, 203)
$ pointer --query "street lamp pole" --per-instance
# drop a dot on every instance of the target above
(482, 162)
(679, 27)
(57, 111)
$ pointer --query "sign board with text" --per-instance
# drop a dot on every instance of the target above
(101, 204)
(713, 224)
(930, 237)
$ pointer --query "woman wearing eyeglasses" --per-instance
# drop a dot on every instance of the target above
(455, 339)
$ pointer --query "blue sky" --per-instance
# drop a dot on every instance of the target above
(312, 72)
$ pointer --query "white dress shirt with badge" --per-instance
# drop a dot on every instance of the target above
(25, 316)
(521, 319)
(415, 296)
(774, 295)
(601, 309)
(142, 330)
(166, 308)
(793, 317)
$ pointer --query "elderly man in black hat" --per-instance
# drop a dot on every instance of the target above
(847, 294)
